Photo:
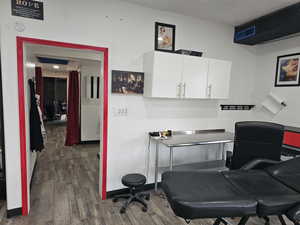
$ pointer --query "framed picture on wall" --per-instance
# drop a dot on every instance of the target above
(287, 70)
(164, 37)
(126, 82)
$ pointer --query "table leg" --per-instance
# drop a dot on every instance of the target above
(171, 158)
(156, 166)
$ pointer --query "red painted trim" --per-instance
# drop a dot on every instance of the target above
(20, 63)
(291, 139)
(22, 127)
(105, 124)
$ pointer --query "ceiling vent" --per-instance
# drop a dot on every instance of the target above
(277, 25)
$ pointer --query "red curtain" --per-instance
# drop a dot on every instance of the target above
(73, 128)
(40, 86)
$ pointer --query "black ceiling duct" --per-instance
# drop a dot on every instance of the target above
(279, 24)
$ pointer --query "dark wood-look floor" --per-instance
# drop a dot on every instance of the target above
(64, 192)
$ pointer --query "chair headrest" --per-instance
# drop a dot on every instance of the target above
(266, 131)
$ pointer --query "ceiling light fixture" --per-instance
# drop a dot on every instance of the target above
(30, 65)
(56, 67)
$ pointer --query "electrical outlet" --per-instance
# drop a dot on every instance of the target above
(118, 112)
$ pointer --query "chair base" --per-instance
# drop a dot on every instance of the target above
(133, 197)
(245, 219)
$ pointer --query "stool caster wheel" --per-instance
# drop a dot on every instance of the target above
(122, 210)
(115, 200)
(144, 209)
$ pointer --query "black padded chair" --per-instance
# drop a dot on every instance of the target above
(254, 140)
(134, 182)
(250, 187)
(274, 190)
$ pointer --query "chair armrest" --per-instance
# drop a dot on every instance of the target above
(258, 162)
(294, 214)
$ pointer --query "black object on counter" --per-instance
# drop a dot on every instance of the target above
(188, 52)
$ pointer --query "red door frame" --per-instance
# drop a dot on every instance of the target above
(20, 63)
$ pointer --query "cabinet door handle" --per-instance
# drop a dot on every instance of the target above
(178, 90)
(184, 88)
(209, 90)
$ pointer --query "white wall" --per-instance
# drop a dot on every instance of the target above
(128, 31)
(265, 80)
(11, 123)
(90, 108)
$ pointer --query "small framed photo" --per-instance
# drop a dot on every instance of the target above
(164, 37)
(126, 82)
(287, 70)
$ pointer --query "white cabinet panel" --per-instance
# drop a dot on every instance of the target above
(167, 70)
(194, 77)
(219, 78)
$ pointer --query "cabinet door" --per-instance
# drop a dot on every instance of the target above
(167, 72)
(219, 78)
(194, 77)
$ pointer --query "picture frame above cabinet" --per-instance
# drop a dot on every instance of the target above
(169, 75)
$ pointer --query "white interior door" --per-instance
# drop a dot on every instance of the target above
(90, 100)
(194, 80)
(167, 72)
(219, 78)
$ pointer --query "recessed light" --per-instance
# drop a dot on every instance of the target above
(56, 67)
(30, 65)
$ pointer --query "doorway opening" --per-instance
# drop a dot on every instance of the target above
(55, 99)
(61, 104)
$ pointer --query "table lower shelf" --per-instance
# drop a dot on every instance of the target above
(215, 165)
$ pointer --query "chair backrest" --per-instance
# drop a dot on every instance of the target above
(255, 140)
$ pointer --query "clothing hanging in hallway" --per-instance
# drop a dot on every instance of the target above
(73, 126)
(36, 138)
(40, 86)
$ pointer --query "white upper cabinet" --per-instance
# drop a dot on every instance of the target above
(219, 78)
(194, 77)
(162, 74)
(169, 75)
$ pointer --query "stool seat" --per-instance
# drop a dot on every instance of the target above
(133, 180)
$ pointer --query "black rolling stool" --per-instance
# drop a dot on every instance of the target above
(134, 182)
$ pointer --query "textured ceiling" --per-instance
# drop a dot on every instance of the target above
(233, 12)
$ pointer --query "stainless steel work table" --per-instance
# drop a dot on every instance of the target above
(190, 138)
